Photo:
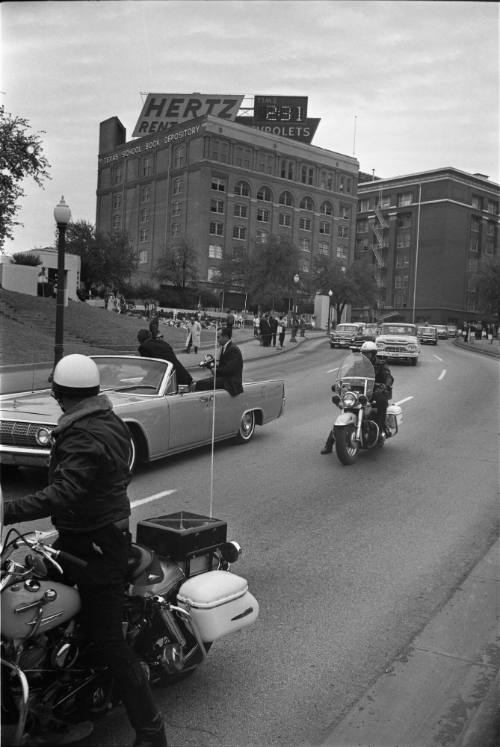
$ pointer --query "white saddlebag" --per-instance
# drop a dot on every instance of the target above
(219, 603)
(394, 418)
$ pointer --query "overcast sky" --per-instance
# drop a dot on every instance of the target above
(405, 86)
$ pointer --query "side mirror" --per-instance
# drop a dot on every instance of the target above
(183, 389)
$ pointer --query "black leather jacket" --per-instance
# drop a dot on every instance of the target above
(383, 378)
(88, 473)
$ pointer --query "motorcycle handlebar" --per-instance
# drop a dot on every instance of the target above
(63, 555)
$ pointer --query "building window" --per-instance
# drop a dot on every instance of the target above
(116, 174)
(305, 224)
(117, 222)
(364, 205)
(285, 219)
(477, 202)
(404, 220)
(286, 199)
(324, 227)
(343, 232)
(341, 252)
(215, 251)
(402, 260)
(263, 215)
(323, 247)
(399, 300)
(218, 184)
(265, 162)
(176, 208)
(472, 264)
(261, 236)
(143, 256)
(144, 234)
(362, 226)
(239, 232)
(175, 230)
(493, 207)
(401, 281)
(305, 245)
(117, 200)
(144, 215)
(307, 175)
(474, 245)
(216, 228)
(287, 170)
(147, 167)
(242, 189)
(178, 186)
(490, 229)
(243, 157)
(403, 239)
(345, 212)
(146, 194)
(241, 211)
(405, 199)
(179, 156)
(306, 204)
(216, 206)
(326, 180)
(489, 247)
(265, 194)
(326, 208)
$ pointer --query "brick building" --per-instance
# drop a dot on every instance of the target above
(223, 187)
(427, 234)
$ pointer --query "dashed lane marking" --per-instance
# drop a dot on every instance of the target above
(332, 370)
(437, 358)
(151, 498)
(442, 374)
(406, 399)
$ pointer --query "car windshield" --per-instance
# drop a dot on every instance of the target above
(398, 329)
(430, 330)
(356, 373)
(346, 327)
(131, 374)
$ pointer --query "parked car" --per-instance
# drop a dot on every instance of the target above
(347, 334)
(163, 418)
(398, 341)
(427, 335)
(442, 331)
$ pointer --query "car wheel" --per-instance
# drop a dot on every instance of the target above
(135, 449)
(247, 428)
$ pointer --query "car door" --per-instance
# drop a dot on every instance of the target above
(190, 419)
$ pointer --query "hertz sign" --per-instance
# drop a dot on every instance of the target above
(162, 110)
(280, 115)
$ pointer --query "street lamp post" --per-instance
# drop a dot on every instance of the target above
(330, 294)
(62, 215)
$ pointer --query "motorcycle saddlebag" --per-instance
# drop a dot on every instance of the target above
(394, 417)
(219, 603)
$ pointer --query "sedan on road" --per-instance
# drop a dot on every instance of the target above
(163, 418)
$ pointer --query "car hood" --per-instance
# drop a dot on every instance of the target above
(401, 339)
(40, 407)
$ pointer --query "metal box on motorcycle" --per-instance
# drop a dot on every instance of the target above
(394, 418)
(182, 535)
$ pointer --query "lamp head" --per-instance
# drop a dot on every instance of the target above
(296, 278)
(62, 213)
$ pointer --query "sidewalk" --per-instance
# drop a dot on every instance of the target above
(446, 691)
(480, 346)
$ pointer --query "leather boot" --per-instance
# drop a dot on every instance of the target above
(152, 735)
(328, 447)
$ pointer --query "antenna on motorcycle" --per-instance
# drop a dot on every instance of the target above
(211, 508)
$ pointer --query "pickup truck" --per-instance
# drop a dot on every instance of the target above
(399, 342)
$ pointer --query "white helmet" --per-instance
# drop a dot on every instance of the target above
(76, 375)
(368, 347)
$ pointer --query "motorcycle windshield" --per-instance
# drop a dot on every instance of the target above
(357, 374)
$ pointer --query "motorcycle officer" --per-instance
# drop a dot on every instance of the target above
(382, 392)
(88, 503)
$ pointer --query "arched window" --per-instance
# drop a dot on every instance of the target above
(326, 208)
(286, 199)
(306, 204)
(265, 194)
(242, 189)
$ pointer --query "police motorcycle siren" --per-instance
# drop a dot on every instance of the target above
(180, 598)
(355, 427)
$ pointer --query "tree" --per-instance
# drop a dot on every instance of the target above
(21, 156)
(488, 286)
(353, 284)
(268, 276)
(179, 266)
(27, 258)
(106, 259)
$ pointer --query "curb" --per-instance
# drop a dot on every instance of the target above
(477, 348)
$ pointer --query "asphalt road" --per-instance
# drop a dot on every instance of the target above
(348, 563)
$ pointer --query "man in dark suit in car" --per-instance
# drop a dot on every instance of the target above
(228, 372)
(150, 348)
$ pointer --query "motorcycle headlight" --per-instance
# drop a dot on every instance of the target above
(231, 551)
(43, 436)
(349, 399)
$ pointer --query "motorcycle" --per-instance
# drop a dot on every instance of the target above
(355, 428)
(180, 598)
